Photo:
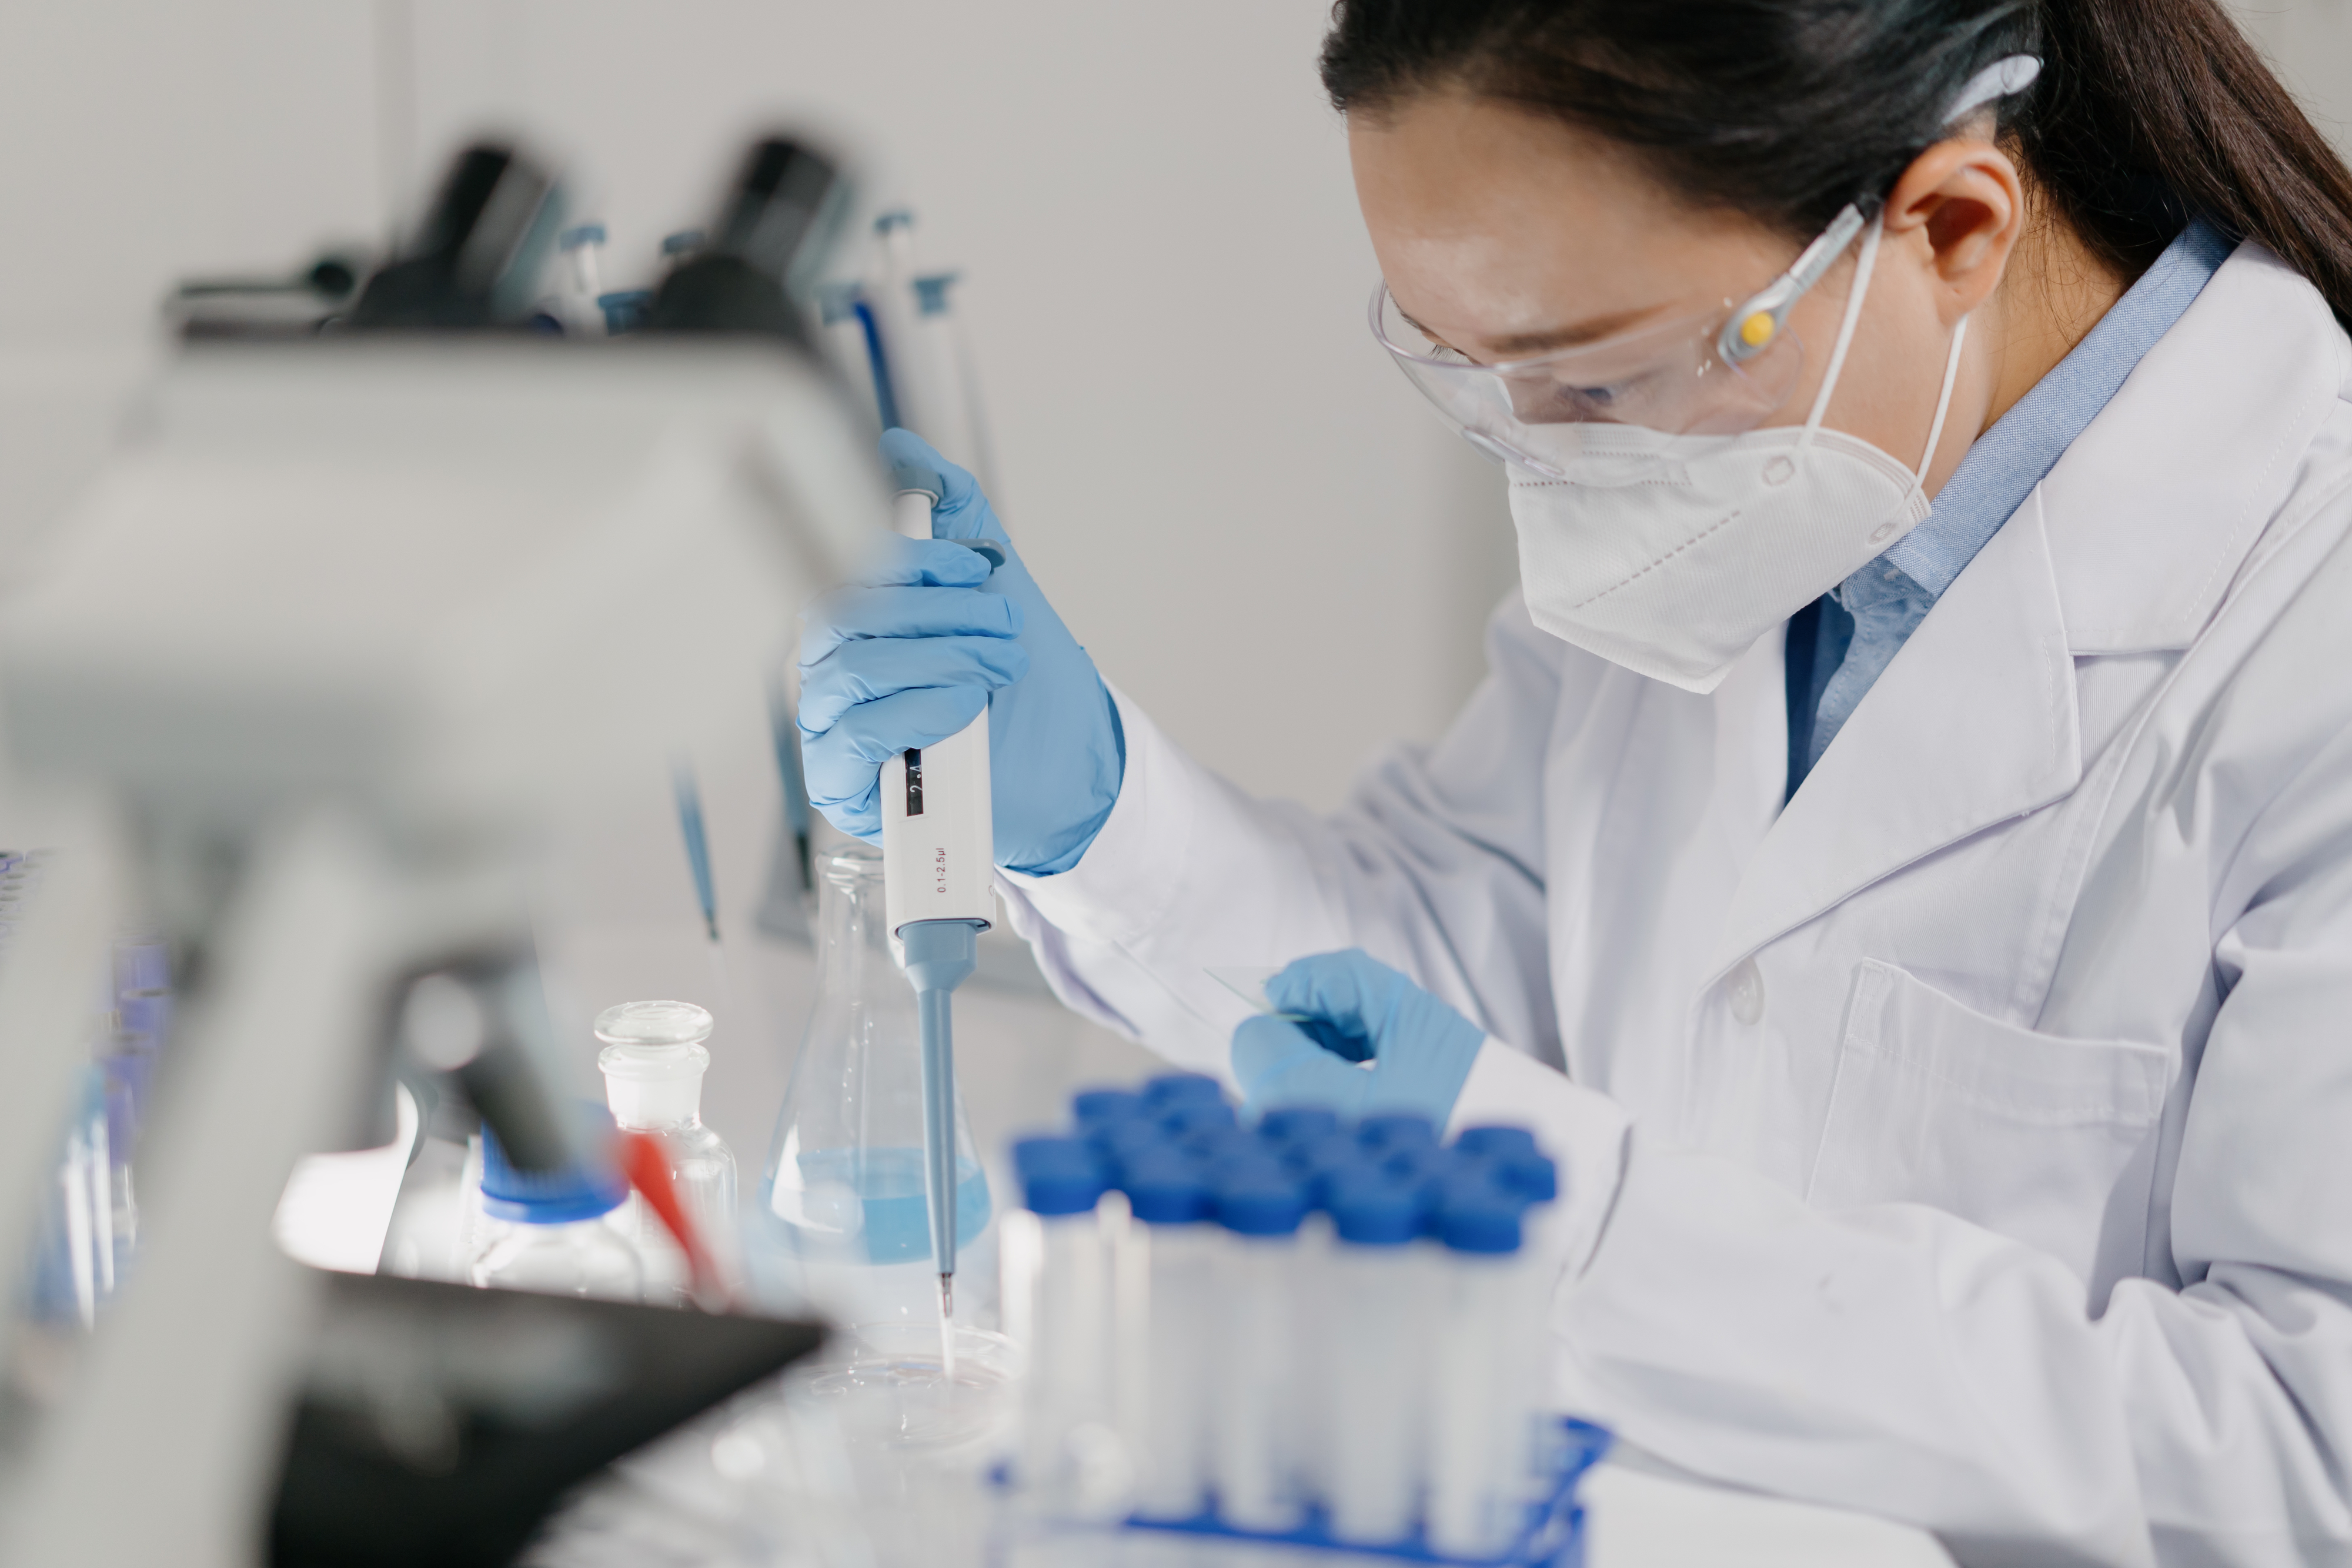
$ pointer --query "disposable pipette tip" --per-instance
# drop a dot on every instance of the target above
(710, 923)
(947, 1297)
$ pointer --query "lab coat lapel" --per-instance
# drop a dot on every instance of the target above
(2128, 546)
(1974, 721)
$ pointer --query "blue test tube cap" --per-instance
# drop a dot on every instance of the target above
(1120, 1142)
(1173, 1089)
(1297, 1124)
(1396, 1129)
(1308, 1156)
(1474, 1215)
(578, 235)
(1193, 1118)
(1042, 1153)
(1058, 1175)
(1094, 1107)
(1217, 1147)
(1413, 1164)
(1245, 1159)
(683, 241)
(1165, 1188)
(1494, 1141)
(1532, 1176)
(1329, 1177)
(1260, 1203)
(1368, 1211)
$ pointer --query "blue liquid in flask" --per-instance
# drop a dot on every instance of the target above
(875, 1198)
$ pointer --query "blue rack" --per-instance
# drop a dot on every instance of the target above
(1553, 1536)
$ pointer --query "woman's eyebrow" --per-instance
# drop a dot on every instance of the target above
(1520, 344)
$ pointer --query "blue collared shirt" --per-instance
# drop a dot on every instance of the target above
(1840, 644)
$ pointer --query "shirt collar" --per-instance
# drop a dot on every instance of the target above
(2004, 463)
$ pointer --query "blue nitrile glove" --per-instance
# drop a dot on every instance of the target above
(1420, 1048)
(905, 656)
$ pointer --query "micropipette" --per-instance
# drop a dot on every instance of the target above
(939, 890)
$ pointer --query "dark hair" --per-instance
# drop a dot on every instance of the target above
(2145, 111)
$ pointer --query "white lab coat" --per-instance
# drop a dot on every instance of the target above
(1969, 1142)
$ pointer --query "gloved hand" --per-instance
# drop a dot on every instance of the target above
(906, 655)
(1420, 1048)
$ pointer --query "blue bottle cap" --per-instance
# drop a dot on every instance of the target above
(1173, 1089)
(1369, 1212)
(625, 308)
(1395, 1129)
(1296, 1124)
(1475, 1215)
(1532, 1176)
(1092, 1107)
(931, 292)
(681, 242)
(579, 1191)
(1257, 1203)
(838, 302)
(1493, 1141)
(578, 235)
(1165, 1188)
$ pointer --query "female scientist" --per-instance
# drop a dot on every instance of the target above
(1900, 854)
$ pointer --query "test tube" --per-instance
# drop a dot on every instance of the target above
(1172, 1199)
(1259, 1208)
(1375, 1392)
(1479, 1427)
(1070, 1353)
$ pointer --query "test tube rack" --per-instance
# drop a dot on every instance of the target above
(1553, 1536)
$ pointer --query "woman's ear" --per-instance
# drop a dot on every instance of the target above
(1964, 197)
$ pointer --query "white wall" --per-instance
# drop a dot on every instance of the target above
(2309, 44)
(1213, 471)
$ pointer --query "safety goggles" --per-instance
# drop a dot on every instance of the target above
(1719, 372)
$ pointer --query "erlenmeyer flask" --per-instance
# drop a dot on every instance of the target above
(843, 1196)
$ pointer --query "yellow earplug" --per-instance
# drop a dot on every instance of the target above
(1758, 329)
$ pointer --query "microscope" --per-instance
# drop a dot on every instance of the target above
(306, 675)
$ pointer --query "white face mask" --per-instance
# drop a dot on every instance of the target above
(1670, 555)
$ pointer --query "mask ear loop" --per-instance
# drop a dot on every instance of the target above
(1943, 399)
(1864, 267)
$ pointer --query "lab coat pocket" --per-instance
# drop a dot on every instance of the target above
(2036, 1136)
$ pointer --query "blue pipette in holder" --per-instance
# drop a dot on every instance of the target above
(939, 890)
